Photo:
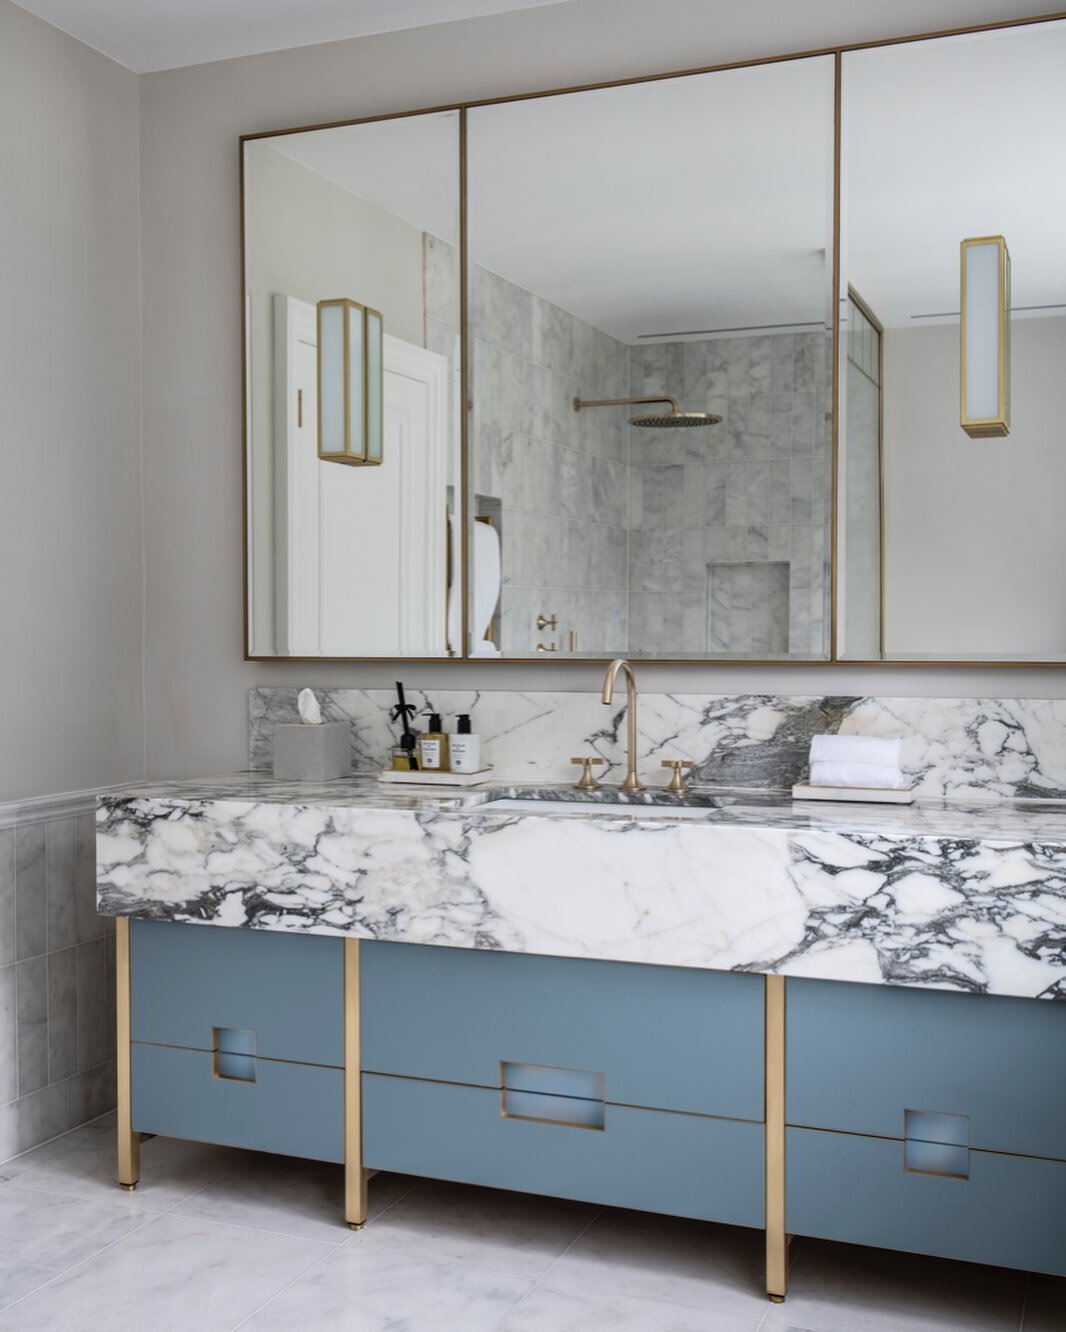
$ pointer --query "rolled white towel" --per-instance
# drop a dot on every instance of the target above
(873, 749)
(856, 774)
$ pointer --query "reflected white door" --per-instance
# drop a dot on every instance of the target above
(361, 551)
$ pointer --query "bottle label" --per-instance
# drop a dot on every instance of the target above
(430, 753)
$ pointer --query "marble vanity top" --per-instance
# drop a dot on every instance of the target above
(956, 896)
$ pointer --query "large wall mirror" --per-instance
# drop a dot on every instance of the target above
(663, 241)
(353, 552)
(553, 377)
(952, 547)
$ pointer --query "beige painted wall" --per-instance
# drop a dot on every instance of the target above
(975, 544)
(196, 679)
(70, 508)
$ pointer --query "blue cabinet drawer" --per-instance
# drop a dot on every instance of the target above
(187, 981)
(668, 1037)
(652, 1160)
(291, 1109)
(859, 1056)
(1009, 1211)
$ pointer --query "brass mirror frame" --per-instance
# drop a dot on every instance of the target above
(833, 659)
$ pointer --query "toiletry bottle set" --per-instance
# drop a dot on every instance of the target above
(434, 750)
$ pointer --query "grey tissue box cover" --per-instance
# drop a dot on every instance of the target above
(305, 753)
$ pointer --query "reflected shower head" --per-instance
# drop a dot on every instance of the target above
(661, 420)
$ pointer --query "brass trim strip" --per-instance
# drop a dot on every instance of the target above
(464, 500)
(776, 1238)
(129, 1142)
(355, 1201)
(835, 379)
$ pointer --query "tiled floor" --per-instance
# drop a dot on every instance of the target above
(217, 1239)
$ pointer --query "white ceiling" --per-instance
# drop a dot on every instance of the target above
(147, 35)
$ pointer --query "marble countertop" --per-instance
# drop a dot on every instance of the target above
(944, 894)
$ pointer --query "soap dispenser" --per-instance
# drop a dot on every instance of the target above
(433, 746)
(465, 747)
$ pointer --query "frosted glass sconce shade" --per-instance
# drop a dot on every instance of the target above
(985, 338)
(350, 383)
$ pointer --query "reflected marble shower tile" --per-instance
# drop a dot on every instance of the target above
(809, 361)
(757, 543)
(802, 423)
(780, 492)
(780, 438)
(758, 493)
(706, 369)
(439, 279)
(800, 487)
(800, 558)
(782, 357)
(716, 480)
(552, 336)
(738, 364)
(778, 542)
(664, 489)
(647, 369)
(694, 623)
(736, 494)
(502, 313)
(759, 363)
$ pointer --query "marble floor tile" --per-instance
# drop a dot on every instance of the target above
(548, 1310)
(44, 1234)
(516, 1233)
(845, 1288)
(83, 1166)
(694, 1263)
(171, 1275)
(1045, 1305)
(359, 1289)
(291, 1197)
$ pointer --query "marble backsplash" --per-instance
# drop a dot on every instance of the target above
(955, 748)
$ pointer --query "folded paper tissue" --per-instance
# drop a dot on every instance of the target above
(311, 750)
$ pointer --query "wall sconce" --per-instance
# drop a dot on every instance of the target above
(985, 343)
(350, 384)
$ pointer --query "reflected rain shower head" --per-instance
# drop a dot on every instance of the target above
(661, 420)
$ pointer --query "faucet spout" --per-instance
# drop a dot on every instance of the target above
(632, 781)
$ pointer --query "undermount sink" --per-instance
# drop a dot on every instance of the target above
(632, 810)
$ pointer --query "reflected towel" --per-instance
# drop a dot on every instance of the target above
(857, 774)
(455, 602)
(872, 749)
(487, 572)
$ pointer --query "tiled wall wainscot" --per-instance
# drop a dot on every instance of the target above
(57, 962)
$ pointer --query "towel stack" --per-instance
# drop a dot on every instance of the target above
(856, 760)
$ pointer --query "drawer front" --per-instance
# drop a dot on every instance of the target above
(859, 1056)
(667, 1037)
(652, 1160)
(187, 980)
(292, 1109)
(846, 1187)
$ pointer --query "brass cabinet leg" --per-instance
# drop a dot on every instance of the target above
(354, 1174)
(776, 1239)
(129, 1142)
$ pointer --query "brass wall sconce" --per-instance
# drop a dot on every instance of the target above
(351, 374)
(985, 338)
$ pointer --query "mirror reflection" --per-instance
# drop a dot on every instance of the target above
(645, 253)
(951, 544)
(350, 527)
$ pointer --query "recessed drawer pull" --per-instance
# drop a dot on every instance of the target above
(936, 1144)
(567, 1096)
(233, 1054)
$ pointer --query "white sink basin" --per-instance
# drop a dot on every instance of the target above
(634, 811)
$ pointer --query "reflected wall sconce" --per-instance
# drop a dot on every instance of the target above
(350, 383)
(985, 338)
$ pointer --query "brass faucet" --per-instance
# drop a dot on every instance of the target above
(632, 781)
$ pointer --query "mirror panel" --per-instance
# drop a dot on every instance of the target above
(350, 557)
(655, 240)
(950, 546)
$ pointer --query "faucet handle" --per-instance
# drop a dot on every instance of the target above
(587, 782)
(676, 784)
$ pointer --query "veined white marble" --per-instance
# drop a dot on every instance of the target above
(941, 895)
(959, 748)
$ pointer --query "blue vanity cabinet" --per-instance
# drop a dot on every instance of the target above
(927, 1121)
(238, 1038)
(632, 1085)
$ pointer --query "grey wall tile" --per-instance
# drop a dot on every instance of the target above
(91, 1094)
(32, 989)
(8, 916)
(62, 1014)
(110, 993)
(8, 1035)
(31, 899)
(89, 924)
(41, 1116)
(61, 924)
(92, 1003)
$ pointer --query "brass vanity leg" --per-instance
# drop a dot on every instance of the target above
(129, 1142)
(776, 1239)
(354, 1174)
